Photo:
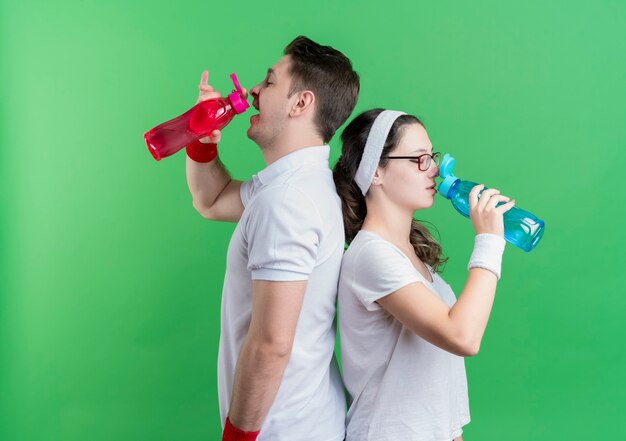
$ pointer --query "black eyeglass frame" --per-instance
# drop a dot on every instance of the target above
(435, 157)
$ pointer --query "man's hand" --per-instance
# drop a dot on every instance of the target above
(207, 92)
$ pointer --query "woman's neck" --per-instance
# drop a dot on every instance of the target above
(391, 223)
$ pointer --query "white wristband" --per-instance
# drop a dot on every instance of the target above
(487, 254)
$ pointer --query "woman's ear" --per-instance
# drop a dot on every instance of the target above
(304, 103)
(378, 176)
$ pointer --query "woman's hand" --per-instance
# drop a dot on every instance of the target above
(485, 215)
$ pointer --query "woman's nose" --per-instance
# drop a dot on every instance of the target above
(434, 170)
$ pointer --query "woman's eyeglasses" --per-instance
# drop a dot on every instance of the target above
(423, 161)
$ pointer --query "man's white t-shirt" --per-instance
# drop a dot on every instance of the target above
(291, 229)
(400, 386)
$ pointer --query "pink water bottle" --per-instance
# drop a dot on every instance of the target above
(199, 121)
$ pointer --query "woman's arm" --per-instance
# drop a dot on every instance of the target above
(458, 329)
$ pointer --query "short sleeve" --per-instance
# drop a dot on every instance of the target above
(381, 269)
(246, 191)
(283, 234)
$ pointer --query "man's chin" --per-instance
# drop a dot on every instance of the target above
(250, 133)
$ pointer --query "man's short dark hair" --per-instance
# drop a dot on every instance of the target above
(329, 75)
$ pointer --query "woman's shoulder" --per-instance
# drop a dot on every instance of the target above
(367, 242)
(374, 267)
(370, 252)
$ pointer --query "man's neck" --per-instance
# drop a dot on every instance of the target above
(284, 147)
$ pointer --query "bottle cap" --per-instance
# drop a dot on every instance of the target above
(240, 104)
(445, 172)
(447, 165)
(446, 185)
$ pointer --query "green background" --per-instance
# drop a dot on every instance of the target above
(110, 281)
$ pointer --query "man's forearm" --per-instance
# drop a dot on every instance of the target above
(258, 374)
(206, 180)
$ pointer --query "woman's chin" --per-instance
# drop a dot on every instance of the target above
(424, 205)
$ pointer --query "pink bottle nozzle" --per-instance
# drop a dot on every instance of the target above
(240, 104)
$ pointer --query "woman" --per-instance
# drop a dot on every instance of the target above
(403, 332)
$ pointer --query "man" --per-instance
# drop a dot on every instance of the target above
(277, 375)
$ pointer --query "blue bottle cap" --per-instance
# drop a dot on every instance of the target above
(445, 172)
(446, 185)
(446, 167)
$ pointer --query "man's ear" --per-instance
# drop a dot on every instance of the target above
(304, 103)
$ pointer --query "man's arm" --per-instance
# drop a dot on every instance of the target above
(215, 194)
(266, 351)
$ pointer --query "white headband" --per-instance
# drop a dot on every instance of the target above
(374, 147)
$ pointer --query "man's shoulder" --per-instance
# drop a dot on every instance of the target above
(300, 188)
(285, 203)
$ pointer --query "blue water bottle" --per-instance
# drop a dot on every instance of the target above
(521, 228)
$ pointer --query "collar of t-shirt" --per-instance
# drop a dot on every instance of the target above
(307, 155)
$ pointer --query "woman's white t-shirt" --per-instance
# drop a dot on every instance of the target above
(400, 386)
